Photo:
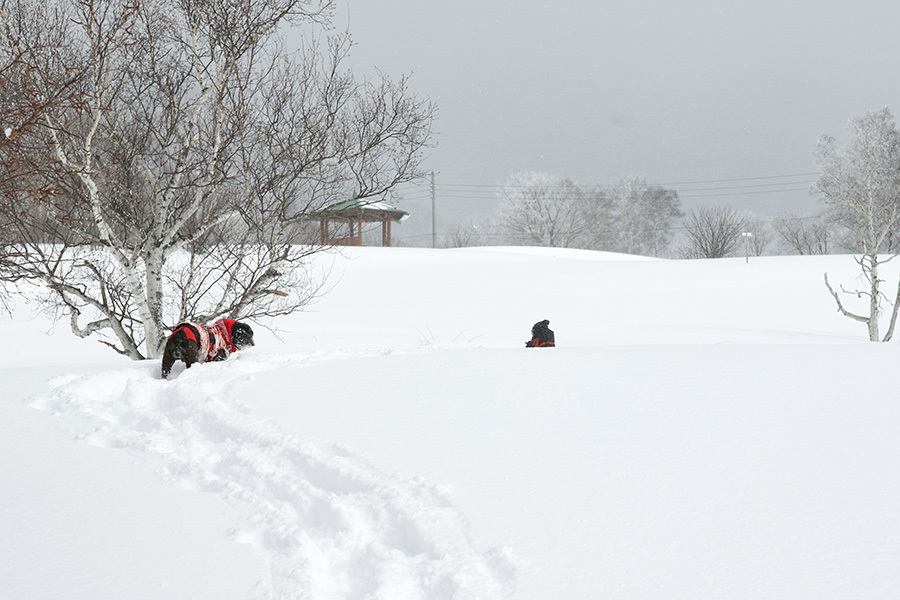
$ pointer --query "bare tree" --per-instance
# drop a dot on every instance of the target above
(645, 215)
(173, 178)
(804, 235)
(762, 238)
(712, 232)
(21, 109)
(465, 234)
(757, 236)
(542, 210)
(861, 184)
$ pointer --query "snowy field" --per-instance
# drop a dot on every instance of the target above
(704, 429)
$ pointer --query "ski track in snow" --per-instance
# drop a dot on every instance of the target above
(328, 524)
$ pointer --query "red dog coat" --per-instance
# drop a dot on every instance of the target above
(211, 339)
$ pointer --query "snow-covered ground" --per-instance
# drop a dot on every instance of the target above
(704, 429)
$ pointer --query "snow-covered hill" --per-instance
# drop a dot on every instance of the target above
(703, 429)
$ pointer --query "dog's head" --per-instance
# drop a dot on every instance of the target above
(241, 335)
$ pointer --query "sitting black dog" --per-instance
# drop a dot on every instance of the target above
(541, 336)
(192, 343)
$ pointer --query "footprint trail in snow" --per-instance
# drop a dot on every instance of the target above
(328, 523)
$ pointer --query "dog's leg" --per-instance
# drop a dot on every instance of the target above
(166, 367)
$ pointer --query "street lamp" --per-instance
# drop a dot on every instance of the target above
(747, 235)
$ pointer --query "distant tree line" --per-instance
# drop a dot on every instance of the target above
(631, 216)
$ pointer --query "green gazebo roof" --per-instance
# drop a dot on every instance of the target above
(377, 209)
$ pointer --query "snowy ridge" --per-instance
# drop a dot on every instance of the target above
(328, 524)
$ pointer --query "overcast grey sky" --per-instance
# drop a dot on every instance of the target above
(697, 90)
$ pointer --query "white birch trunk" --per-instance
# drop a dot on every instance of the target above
(874, 299)
(153, 324)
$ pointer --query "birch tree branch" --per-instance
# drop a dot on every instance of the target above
(841, 308)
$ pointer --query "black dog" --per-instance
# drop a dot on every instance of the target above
(541, 336)
(192, 343)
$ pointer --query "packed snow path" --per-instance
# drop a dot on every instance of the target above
(328, 524)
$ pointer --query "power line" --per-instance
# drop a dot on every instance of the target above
(463, 191)
(740, 179)
(650, 183)
(713, 194)
(719, 194)
(739, 187)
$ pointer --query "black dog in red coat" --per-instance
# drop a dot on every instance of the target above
(192, 343)
(541, 336)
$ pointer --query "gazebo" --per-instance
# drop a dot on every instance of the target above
(354, 213)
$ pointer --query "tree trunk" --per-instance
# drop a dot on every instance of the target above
(153, 326)
(892, 323)
(874, 303)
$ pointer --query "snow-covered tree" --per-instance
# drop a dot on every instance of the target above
(542, 210)
(631, 216)
(602, 214)
(176, 153)
(645, 215)
(860, 183)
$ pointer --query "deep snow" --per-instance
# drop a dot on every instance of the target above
(704, 429)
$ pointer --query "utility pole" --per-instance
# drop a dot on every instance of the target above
(433, 214)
